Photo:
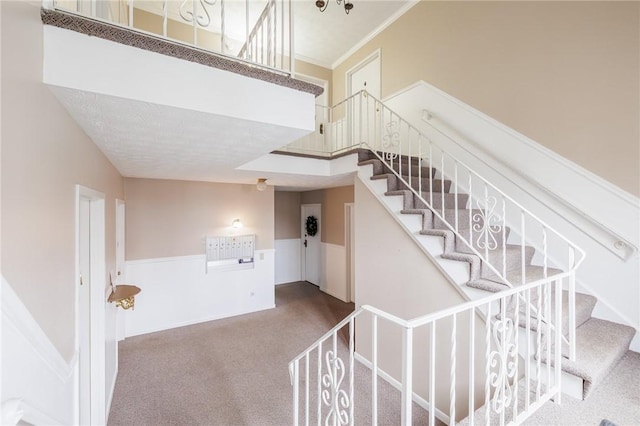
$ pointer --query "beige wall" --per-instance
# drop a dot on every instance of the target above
(332, 200)
(562, 73)
(287, 215)
(394, 275)
(317, 71)
(44, 155)
(167, 218)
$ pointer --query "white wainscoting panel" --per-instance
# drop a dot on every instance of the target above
(33, 371)
(287, 260)
(176, 291)
(333, 272)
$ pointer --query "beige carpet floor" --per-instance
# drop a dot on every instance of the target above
(616, 399)
(234, 371)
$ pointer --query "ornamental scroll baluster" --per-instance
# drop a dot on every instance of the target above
(188, 15)
(503, 363)
(487, 223)
(391, 139)
(332, 396)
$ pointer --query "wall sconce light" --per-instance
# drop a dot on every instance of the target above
(236, 223)
(262, 184)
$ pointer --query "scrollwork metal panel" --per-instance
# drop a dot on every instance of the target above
(203, 20)
(332, 396)
(488, 223)
(391, 140)
(503, 364)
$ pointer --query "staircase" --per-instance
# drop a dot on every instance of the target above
(600, 344)
(517, 273)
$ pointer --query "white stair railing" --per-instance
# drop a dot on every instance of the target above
(494, 227)
(507, 373)
(267, 42)
(219, 26)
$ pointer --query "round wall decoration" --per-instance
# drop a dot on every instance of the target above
(311, 226)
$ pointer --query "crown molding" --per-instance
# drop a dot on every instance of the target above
(390, 20)
(313, 61)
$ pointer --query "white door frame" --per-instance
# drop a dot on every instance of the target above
(349, 240)
(98, 296)
(376, 54)
(120, 265)
(319, 82)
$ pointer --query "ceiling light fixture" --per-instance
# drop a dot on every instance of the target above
(322, 5)
(262, 184)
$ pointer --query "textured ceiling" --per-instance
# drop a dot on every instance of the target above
(321, 38)
(325, 37)
(154, 141)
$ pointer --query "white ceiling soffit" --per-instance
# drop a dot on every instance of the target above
(148, 140)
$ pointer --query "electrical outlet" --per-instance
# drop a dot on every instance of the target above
(261, 256)
(252, 294)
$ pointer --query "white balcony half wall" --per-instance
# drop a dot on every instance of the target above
(158, 116)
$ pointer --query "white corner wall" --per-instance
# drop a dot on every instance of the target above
(34, 373)
(333, 270)
(177, 291)
(287, 261)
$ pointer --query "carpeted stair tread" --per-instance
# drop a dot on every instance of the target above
(600, 345)
(532, 273)
(449, 200)
(584, 307)
(415, 171)
(427, 184)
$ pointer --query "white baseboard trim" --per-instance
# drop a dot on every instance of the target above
(396, 384)
(198, 321)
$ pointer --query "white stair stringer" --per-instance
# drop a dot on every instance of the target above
(433, 246)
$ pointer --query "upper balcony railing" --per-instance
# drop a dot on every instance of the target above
(257, 32)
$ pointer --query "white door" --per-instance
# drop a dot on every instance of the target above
(311, 244)
(365, 76)
(84, 310)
